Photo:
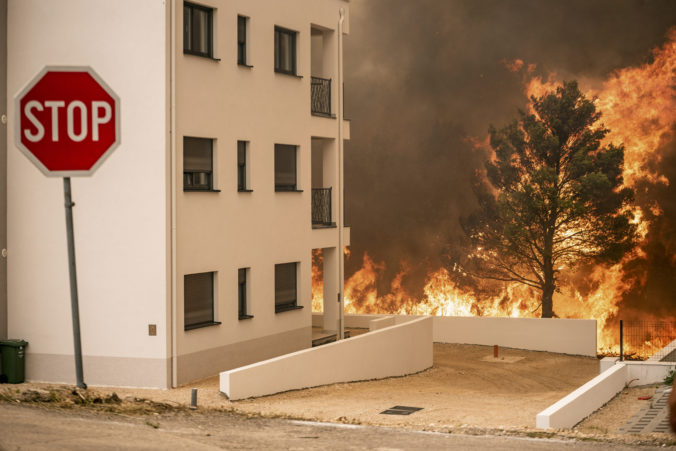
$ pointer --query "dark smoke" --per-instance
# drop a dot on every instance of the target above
(425, 77)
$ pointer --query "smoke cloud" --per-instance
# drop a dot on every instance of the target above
(425, 79)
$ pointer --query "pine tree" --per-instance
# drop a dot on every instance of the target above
(553, 197)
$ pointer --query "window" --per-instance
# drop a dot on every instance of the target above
(197, 164)
(286, 295)
(285, 168)
(197, 29)
(242, 167)
(241, 40)
(198, 300)
(242, 297)
(285, 51)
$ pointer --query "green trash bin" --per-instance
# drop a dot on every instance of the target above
(13, 355)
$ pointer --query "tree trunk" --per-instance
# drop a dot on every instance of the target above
(548, 273)
(547, 302)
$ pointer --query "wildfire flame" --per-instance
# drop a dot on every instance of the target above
(638, 106)
(317, 281)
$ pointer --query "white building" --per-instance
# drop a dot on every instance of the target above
(194, 238)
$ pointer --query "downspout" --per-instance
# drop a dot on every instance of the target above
(4, 317)
(341, 254)
(172, 192)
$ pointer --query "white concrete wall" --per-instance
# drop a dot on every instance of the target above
(361, 321)
(351, 320)
(566, 336)
(381, 323)
(120, 213)
(640, 372)
(615, 375)
(576, 406)
(393, 351)
(644, 373)
(607, 362)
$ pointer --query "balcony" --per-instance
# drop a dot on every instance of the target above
(321, 208)
(320, 99)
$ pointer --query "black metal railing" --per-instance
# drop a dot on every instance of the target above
(321, 206)
(320, 102)
(640, 340)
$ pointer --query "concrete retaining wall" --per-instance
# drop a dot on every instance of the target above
(615, 375)
(576, 406)
(644, 373)
(638, 372)
(565, 336)
(607, 362)
(381, 323)
(393, 351)
(361, 321)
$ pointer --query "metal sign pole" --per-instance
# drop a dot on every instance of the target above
(73, 283)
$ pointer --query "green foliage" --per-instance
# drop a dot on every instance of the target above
(553, 196)
(669, 379)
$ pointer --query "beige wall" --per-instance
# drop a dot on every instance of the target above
(226, 230)
(566, 336)
(120, 212)
(99, 370)
(202, 364)
(361, 321)
(393, 351)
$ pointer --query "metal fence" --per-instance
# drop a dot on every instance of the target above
(321, 96)
(641, 340)
(321, 206)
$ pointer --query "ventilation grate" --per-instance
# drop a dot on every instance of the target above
(400, 410)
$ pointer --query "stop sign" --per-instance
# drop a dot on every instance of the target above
(68, 121)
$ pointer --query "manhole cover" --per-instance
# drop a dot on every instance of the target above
(400, 410)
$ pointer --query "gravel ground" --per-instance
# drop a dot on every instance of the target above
(617, 412)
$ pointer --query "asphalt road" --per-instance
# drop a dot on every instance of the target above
(34, 428)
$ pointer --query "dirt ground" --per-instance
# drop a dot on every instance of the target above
(465, 387)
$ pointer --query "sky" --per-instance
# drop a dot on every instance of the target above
(424, 80)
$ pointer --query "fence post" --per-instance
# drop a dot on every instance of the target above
(621, 341)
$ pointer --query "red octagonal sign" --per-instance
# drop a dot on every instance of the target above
(68, 121)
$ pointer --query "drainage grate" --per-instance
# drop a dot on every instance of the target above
(400, 410)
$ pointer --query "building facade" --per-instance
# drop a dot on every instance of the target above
(194, 239)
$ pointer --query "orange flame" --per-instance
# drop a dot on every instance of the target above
(317, 280)
(638, 106)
